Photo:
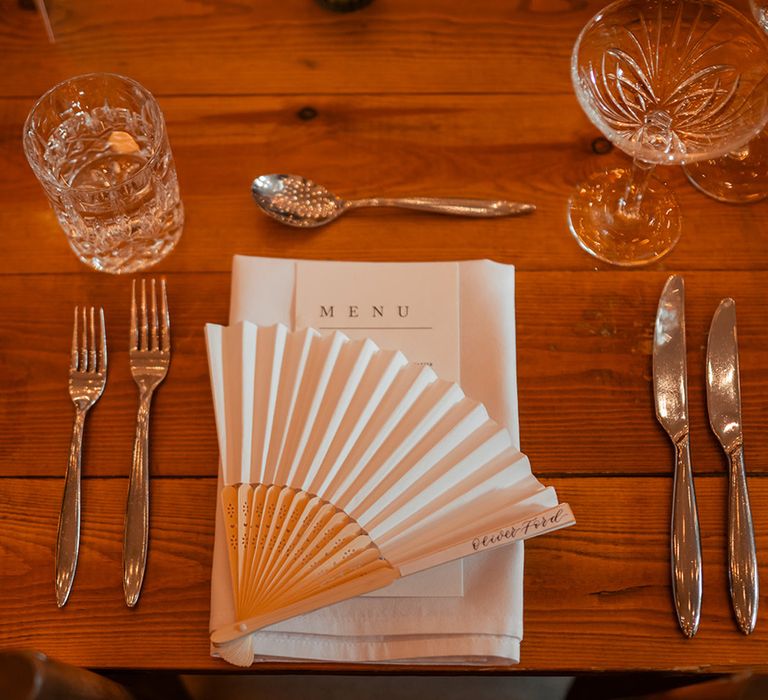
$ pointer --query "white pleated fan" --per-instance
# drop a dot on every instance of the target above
(346, 467)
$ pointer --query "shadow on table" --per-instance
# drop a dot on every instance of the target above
(654, 686)
(30, 675)
(372, 687)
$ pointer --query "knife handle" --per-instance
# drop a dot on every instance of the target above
(742, 559)
(686, 543)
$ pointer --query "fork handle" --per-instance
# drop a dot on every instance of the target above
(136, 538)
(68, 535)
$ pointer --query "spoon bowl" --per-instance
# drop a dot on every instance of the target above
(296, 201)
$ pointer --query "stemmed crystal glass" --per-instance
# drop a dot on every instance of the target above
(667, 82)
(742, 175)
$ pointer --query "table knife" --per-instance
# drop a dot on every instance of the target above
(724, 406)
(670, 388)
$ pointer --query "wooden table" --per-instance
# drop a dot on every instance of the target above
(436, 98)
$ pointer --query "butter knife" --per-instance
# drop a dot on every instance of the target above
(670, 388)
(724, 406)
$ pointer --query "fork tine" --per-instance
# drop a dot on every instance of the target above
(103, 343)
(73, 363)
(153, 327)
(143, 344)
(166, 334)
(84, 345)
(92, 346)
(134, 320)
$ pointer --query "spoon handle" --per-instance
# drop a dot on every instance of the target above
(457, 207)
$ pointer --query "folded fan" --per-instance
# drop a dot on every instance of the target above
(346, 467)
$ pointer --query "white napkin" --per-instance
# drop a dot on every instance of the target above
(483, 626)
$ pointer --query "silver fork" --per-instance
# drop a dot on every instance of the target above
(149, 356)
(87, 377)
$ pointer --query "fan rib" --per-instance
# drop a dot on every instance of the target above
(230, 513)
(258, 500)
(354, 559)
(313, 512)
(244, 494)
(282, 506)
(267, 513)
(355, 587)
(284, 536)
(306, 559)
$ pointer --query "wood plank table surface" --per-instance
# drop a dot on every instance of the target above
(435, 97)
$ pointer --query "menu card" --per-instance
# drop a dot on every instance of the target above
(402, 307)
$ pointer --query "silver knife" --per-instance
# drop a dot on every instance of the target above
(670, 388)
(724, 405)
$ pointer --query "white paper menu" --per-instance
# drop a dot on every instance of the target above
(400, 306)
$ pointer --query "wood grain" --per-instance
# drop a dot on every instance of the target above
(295, 46)
(597, 596)
(525, 148)
(584, 367)
(402, 98)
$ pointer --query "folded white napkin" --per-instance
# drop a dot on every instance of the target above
(483, 626)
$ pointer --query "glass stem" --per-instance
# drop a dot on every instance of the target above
(639, 177)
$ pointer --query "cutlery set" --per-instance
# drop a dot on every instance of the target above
(724, 408)
(149, 358)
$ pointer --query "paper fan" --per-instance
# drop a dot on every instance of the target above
(346, 467)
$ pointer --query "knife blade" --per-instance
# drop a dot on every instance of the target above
(724, 408)
(670, 388)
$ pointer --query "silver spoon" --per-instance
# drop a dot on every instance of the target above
(297, 201)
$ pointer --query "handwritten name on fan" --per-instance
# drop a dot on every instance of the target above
(537, 525)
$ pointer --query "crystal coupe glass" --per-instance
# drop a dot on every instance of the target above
(667, 82)
(742, 175)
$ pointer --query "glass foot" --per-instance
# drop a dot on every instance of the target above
(739, 177)
(619, 237)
